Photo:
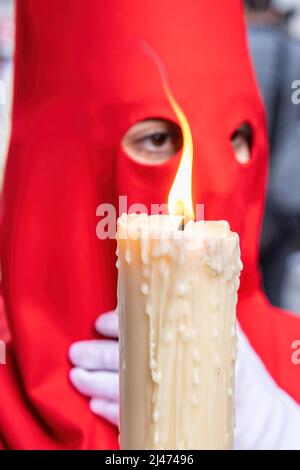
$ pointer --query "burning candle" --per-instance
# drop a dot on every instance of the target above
(177, 295)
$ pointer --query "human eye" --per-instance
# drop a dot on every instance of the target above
(153, 141)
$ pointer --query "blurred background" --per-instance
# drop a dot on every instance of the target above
(6, 56)
(274, 42)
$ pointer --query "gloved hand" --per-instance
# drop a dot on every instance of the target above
(267, 417)
(96, 368)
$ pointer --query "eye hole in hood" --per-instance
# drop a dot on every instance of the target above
(241, 140)
(152, 141)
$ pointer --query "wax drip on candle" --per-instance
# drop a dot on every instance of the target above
(196, 355)
(148, 309)
(196, 376)
(182, 289)
(194, 399)
(156, 439)
(145, 289)
(127, 256)
(155, 416)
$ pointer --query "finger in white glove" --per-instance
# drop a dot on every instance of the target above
(105, 409)
(104, 385)
(107, 324)
(95, 354)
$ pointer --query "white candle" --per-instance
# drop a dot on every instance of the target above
(177, 295)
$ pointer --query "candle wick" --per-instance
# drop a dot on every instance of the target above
(183, 222)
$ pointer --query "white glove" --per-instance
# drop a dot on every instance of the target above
(266, 416)
(96, 372)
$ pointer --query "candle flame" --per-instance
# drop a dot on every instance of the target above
(180, 201)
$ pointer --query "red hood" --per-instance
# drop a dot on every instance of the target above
(81, 79)
(87, 78)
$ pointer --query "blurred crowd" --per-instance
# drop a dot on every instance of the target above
(274, 39)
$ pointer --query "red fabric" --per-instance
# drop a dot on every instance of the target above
(4, 334)
(81, 79)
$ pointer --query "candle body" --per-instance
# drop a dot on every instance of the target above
(177, 295)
